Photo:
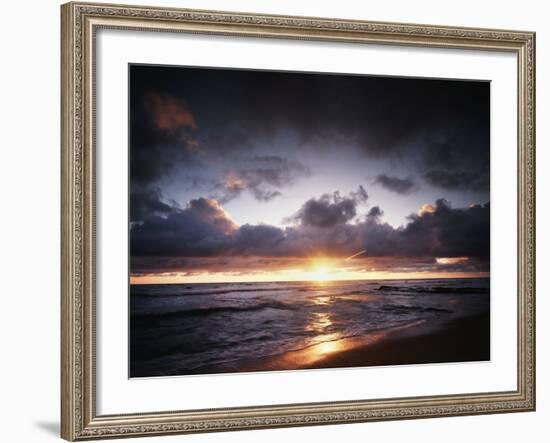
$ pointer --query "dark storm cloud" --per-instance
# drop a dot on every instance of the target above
(441, 232)
(439, 128)
(460, 159)
(262, 176)
(204, 229)
(147, 201)
(375, 213)
(330, 210)
(168, 144)
(162, 137)
(257, 239)
(395, 184)
(457, 180)
(324, 212)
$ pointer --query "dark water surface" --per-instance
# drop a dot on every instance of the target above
(178, 329)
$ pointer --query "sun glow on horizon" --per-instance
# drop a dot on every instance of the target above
(320, 270)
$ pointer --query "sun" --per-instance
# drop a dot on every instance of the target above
(320, 270)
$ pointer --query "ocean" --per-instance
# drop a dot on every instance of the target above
(179, 329)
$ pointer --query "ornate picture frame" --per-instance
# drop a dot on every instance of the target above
(80, 22)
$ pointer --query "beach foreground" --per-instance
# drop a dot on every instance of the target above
(224, 328)
(460, 340)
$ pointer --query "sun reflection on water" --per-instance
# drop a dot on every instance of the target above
(327, 347)
(321, 300)
(325, 342)
(319, 323)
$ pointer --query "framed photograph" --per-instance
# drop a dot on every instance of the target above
(282, 221)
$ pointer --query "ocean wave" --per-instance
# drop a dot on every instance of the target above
(405, 308)
(434, 289)
(202, 312)
(138, 293)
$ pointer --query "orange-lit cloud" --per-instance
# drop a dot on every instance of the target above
(169, 113)
(426, 209)
(210, 211)
(234, 182)
(451, 260)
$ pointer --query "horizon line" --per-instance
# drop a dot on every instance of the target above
(313, 281)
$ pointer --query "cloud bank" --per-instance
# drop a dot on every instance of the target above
(438, 129)
(327, 226)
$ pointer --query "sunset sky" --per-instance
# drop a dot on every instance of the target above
(273, 176)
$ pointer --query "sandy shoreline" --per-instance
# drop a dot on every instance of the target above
(465, 339)
(459, 340)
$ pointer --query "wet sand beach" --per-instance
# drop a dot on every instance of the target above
(458, 340)
(461, 340)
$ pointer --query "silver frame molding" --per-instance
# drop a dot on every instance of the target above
(79, 22)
